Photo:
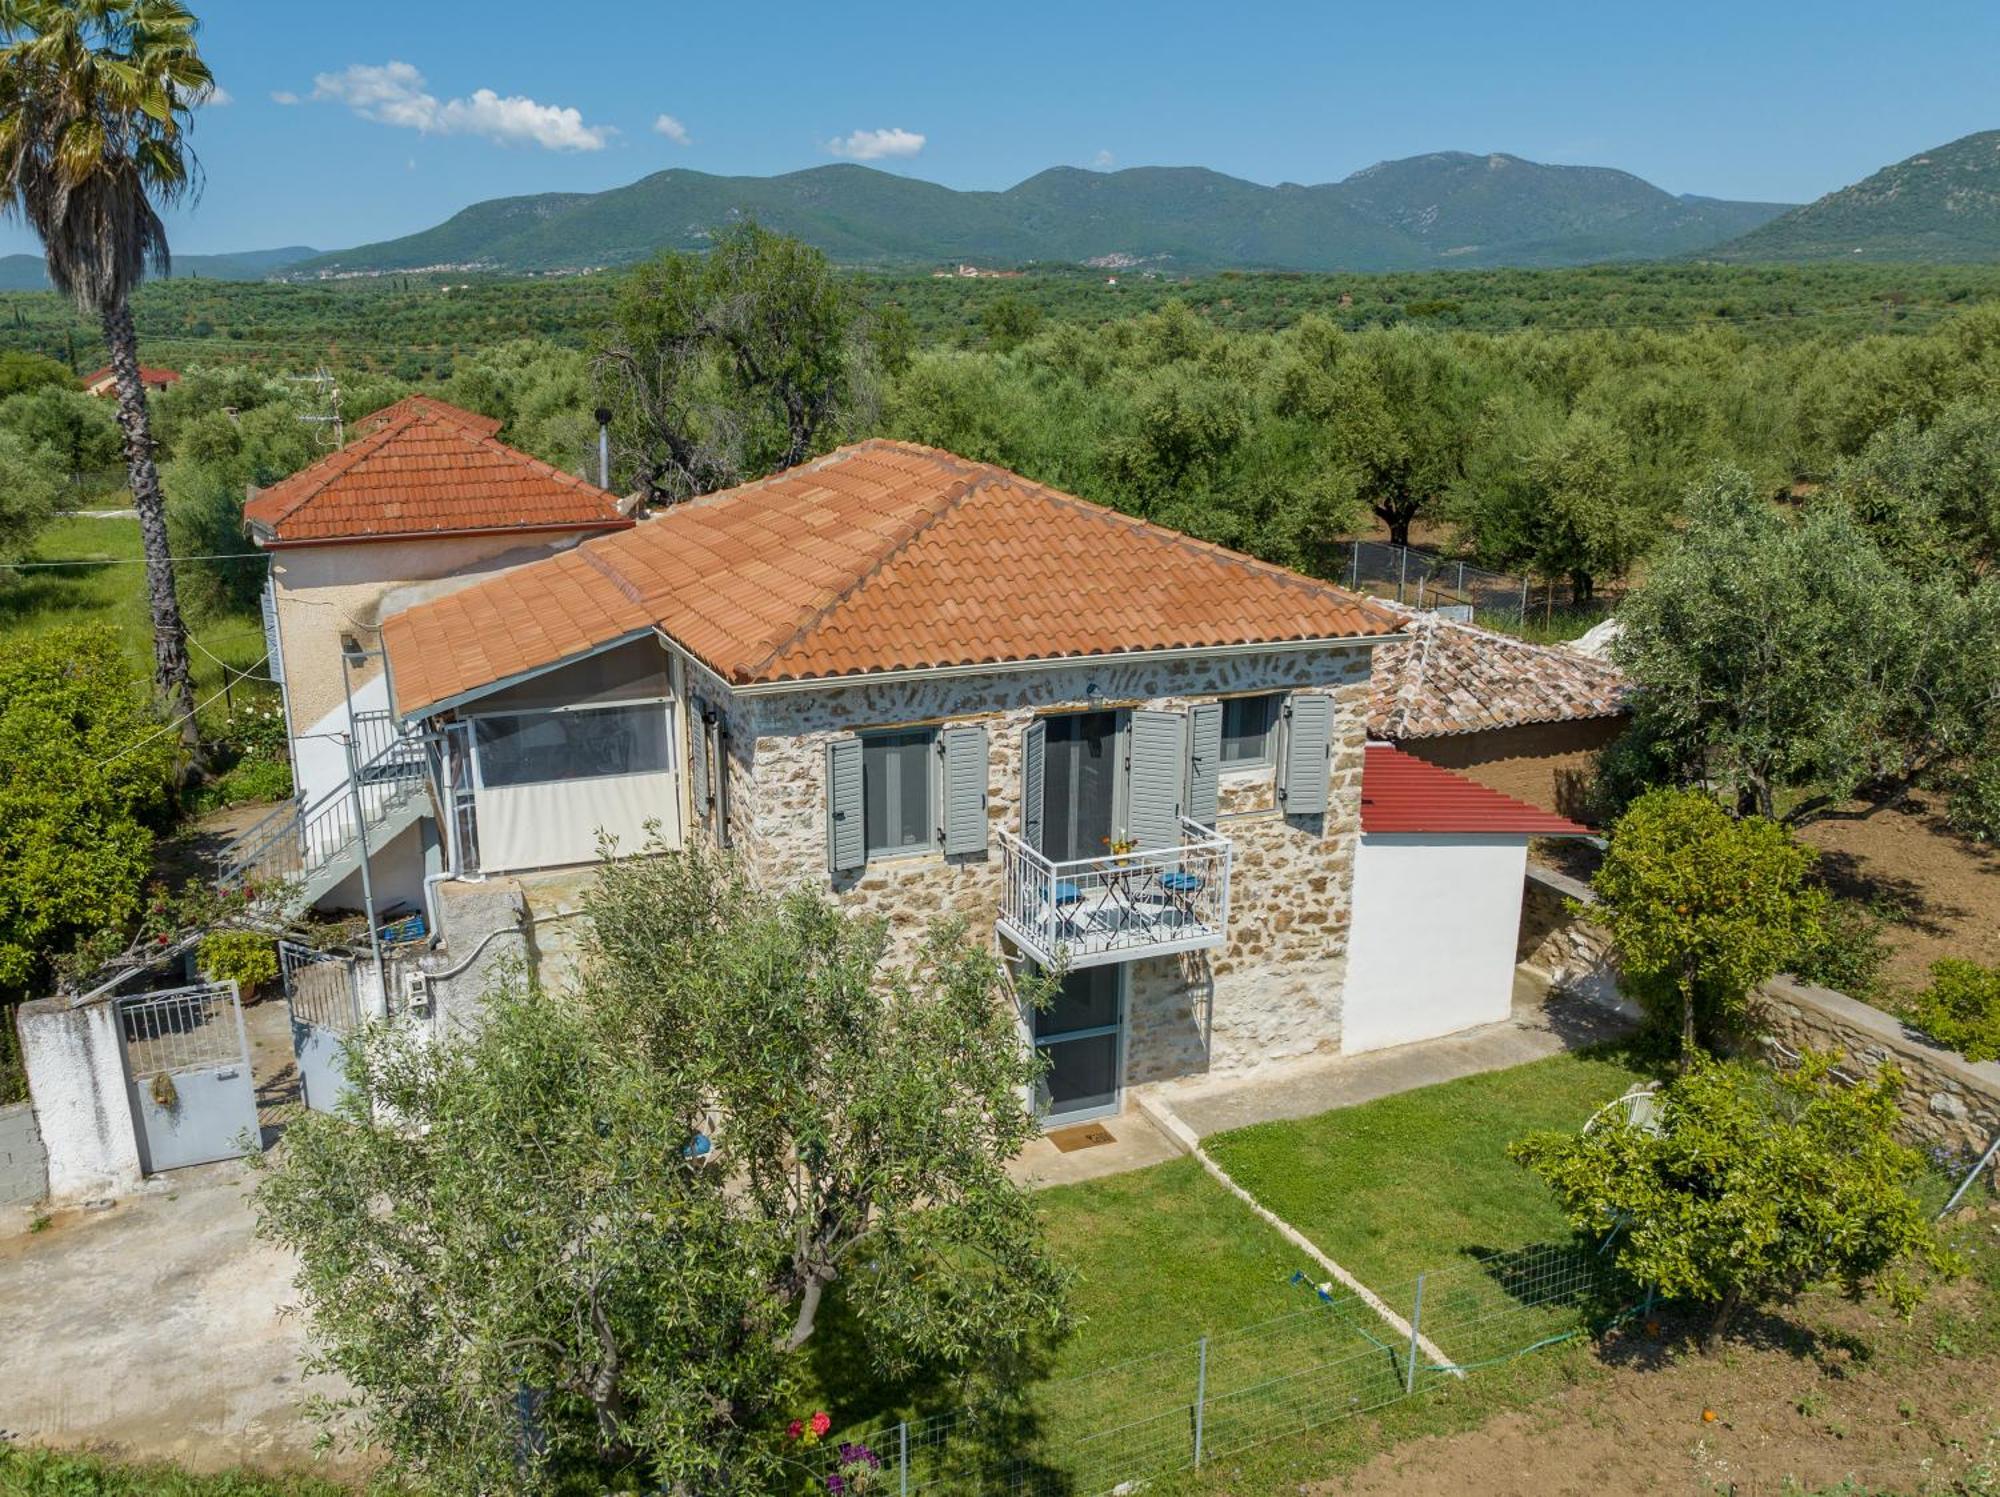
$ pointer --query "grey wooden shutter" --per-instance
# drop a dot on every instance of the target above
(1034, 763)
(267, 605)
(698, 777)
(1204, 761)
(963, 812)
(1154, 763)
(1303, 770)
(846, 838)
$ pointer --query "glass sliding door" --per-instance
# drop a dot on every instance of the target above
(1079, 785)
(1082, 1036)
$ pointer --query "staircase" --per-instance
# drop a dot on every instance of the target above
(311, 849)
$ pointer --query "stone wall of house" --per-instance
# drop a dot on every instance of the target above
(1273, 993)
(1950, 1105)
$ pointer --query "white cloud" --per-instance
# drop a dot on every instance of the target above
(394, 94)
(1104, 161)
(673, 129)
(876, 145)
(218, 97)
(283, 96)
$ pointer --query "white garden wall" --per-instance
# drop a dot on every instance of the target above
(1436, 916)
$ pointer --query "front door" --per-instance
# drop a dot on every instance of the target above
(1082, 1036)
(1079, 785)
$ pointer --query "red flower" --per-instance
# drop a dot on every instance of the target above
(794, 1430)
(822, 1422)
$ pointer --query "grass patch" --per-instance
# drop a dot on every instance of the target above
(1410, 1183)
(63, 598)
(26, 1472)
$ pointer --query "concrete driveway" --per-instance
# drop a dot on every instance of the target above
(153, 1327)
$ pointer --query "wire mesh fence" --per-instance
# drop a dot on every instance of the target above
(1115, 1427)
(1423, 579)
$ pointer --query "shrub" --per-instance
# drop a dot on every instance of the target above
(1961, 1008)
(1850, 953)
(240, 956)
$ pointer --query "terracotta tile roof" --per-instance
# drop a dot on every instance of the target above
(1448, 677)
(426, 472)
(486, 426)
(157, 379)
(882, 556)
(1402, 793)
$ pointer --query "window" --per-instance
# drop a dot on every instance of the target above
(534, 748)
(1247, 724)
(896, 790)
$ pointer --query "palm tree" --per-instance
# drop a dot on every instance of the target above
(95, 100)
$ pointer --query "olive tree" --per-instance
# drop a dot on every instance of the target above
(1703, 908)
(1789, 662)
(728, 365)
(1751, 1187)
(587, 1241)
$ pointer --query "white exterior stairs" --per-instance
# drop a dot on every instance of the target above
(311, 850)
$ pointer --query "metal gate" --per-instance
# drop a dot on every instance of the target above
(187, 1066)
(324, 999)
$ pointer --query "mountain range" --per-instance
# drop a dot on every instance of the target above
(28, 273)
(1448, 208)
(1938, 205)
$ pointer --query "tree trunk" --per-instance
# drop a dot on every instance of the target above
(171, 675)
(1711, 1341)
(1688, 1042)
(809, 1298)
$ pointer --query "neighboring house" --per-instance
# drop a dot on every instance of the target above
(1524, 719)
(425, 498)
(104, 382)
(934, 688)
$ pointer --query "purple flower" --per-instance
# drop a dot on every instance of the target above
(836, 1484)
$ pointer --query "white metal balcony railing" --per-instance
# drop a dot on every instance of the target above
(1116, 908)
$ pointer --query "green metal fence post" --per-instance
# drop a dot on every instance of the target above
(1416, 1320)
(903, 1458)
(1200, 1396)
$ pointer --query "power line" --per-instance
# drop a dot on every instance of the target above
(121, 561)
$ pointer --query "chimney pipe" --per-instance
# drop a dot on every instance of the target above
(604, 447)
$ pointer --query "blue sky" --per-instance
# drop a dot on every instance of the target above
(368, 120)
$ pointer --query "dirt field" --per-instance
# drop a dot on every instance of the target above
(1942, 892)
(1857, 1405)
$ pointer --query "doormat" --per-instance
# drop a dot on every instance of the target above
(1083, 1136)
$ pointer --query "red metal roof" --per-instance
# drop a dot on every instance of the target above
(1402, 793)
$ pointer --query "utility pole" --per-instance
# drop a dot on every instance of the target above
(327, 392)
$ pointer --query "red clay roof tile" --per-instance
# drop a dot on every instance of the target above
(424, 468)
(881, 556)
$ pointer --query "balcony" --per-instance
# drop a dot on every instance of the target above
(1119, 908)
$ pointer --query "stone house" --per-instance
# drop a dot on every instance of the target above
(932, 687)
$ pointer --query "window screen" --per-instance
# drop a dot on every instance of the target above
(1246, 729)
(896, 791)
(534, 748)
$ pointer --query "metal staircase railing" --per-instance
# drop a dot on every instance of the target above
(295, 842)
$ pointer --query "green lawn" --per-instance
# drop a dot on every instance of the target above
(41, 600)
(1415, 1182)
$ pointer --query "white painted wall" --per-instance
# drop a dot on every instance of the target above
(319, 762)
(75, 1060)
(1436, 918)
